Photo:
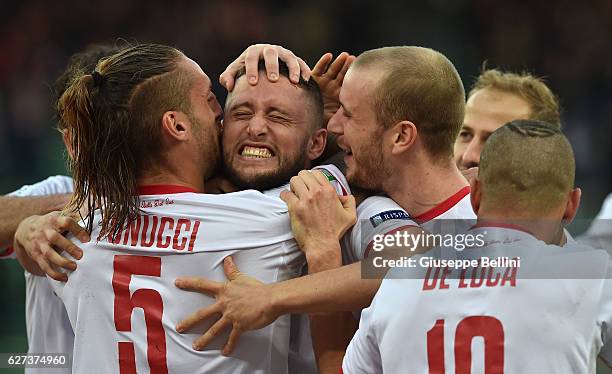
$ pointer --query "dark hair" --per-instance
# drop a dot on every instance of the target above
(113, 124)
(311, 87)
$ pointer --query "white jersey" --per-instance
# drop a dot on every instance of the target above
(379, 215)
(47, 324)
(122, 300)
(599, 234)
(301, 354)
(526, 319)
(54, 185)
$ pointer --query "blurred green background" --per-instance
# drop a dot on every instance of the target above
(565, 41)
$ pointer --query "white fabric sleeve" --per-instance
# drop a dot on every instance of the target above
(336, 178)
(605, 318)
(363, 354)
(54, 185)
(376, 215)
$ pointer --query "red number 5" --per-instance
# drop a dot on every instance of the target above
(489, 328)
(150, 301)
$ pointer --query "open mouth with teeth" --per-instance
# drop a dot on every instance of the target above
(256, 152)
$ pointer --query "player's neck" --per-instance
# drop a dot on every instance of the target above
(423, 186)
(194, 181)
(548, 229)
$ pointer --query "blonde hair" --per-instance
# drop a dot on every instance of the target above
(542, 101)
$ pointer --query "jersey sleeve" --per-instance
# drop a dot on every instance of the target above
(605, 318)
(376, 215)
(363, 354)
(54, 185)
(336, 178)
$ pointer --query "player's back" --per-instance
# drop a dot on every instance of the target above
(504, 319)
(124, 306)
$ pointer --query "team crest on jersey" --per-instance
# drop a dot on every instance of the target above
(387, 215)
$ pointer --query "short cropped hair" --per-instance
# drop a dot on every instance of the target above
(526, 165)
(422, 86)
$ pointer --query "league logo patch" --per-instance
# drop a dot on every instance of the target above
(387, 215)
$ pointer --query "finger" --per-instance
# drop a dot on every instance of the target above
(201, 285)
(197, 317)
(348, 202)
(71, 225)
(44, 266)
(56, 239)
(309, 179)
(321, 178)
(304, 69)
(63, 244)
(298, 187)
(251, 61)
(293, 65)
(231, 342)
(337, 65)
(211, 333)
(289, 198)
(271, 61)
(342, 73)
(230, 268)
(321, 66)
(56, 259)
(227, 77)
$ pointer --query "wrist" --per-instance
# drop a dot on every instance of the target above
(322, 254)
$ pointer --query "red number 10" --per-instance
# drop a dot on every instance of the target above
(489, 328)
(150, 301)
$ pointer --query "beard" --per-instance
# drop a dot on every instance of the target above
(270, 179)
(370, 169)
(209, 141)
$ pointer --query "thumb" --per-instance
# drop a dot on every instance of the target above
(230, 269)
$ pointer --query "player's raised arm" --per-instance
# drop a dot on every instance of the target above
(271, 54)
(16, 208)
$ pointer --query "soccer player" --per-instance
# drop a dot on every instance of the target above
(396, 141)
(47, 324)
(495, 99)
(556, 303)
(269, 135)
(144, 127)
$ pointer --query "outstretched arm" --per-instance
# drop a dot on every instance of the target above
(15, 209)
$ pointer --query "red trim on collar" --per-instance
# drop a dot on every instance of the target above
(443, 207)
(163, 189)
(503, 225)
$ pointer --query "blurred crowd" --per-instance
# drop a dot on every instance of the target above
(565, 41)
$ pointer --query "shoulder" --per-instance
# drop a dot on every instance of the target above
(57, 184)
